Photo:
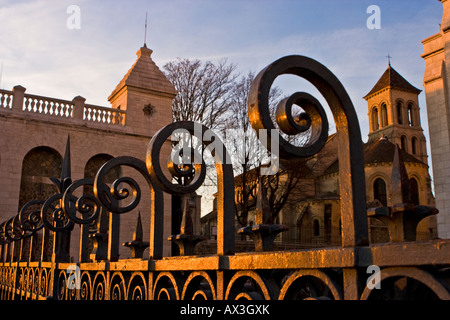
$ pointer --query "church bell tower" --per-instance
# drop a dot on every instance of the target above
(394, 113)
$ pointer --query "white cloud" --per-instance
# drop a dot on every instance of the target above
(40, 53)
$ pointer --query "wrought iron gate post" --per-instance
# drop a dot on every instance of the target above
(224, 169)
(350, 153)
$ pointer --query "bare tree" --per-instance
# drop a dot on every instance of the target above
(203, 89)
(213, 95)
(249, 156)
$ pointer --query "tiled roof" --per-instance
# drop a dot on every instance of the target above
(392, 79)
(382, 150)
(377, 151)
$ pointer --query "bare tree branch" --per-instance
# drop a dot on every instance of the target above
(203, 89)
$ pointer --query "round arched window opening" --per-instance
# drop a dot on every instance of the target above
(379, 191)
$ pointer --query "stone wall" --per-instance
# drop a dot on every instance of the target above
(436, 80)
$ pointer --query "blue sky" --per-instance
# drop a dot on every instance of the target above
(39, 52)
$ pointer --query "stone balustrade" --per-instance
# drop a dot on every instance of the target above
(18, 101)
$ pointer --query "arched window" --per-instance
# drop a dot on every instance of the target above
(38, 166)
(379, 191)
(411, 120)
(316, 228)
(95, 163)
(414, 145)
(375, 124)
(400, 113)
(384, 115)
(414, 187)
(304, 224)
(403, 143)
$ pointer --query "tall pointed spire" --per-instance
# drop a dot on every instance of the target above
(145, 31)
(66, 170)
(66, 177)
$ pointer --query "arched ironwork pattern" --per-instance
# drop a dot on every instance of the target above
(117, 287)
(137, 287)
(199, 286)
(407, 284)
(99, 286)
(249, 285)
(309, 284)
(166, 287)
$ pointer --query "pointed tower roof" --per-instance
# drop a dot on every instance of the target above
(392, 79)
(145, 74)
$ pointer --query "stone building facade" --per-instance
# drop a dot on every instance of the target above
(436, 82)
(394, 119)
(34, 131)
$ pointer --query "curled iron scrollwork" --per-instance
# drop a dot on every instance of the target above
(24, 224)
(313, 118)
(186, 161)
(193, 164)
(109, 197)
(12, 229)
(53, 216)
(30, 216)
(350, 153)
(87, 205)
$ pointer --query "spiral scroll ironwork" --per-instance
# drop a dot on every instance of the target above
(12, 229)
(53, 216)
(87, 205)
(29, 218)
(350, 154)
(314, 118)
(194, 169)
(109, 197)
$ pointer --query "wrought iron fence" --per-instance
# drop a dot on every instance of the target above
(35, 244)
